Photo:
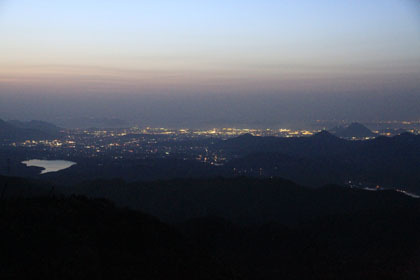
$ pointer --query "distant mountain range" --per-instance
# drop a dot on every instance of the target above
(325, 158)
(34, 130)
(354, 130)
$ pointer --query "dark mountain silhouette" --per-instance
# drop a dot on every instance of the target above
(377, 244)
(324, 136)
(244, 137)
(324, 158)
(37, 125)
(5, 127)
(78, 238)
(242, 200)
(356, 130)
(239, 228)
(20, 131)
(319, 144)
(23, 187)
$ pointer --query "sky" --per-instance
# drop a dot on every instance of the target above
(306, 57)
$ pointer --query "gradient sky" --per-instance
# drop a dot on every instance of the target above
(113, 48)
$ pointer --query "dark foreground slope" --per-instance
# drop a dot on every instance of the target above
(243, 200)
(221, 229)
(378, 245)
(78, 238)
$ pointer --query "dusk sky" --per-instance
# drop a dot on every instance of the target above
(113, 50)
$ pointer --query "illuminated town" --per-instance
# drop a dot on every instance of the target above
(187, 144)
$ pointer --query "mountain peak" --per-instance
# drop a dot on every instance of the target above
(354, 129)
(246, 136)
(323, 134)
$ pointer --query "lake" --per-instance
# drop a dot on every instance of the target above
(49, 165)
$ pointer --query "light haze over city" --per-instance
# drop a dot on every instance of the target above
(198, 63)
